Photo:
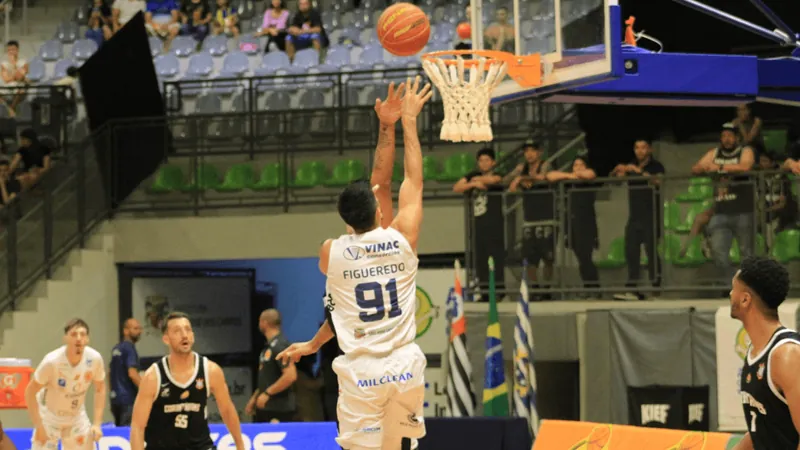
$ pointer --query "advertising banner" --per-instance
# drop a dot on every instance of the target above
(240, 385)
(732, 343)
(219, 309)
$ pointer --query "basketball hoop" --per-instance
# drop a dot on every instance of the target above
(466, 98)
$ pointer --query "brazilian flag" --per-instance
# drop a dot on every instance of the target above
(495, 390)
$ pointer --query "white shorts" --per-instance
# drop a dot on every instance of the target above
(75, 435)
(381, 398)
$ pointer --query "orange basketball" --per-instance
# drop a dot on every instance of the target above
(403, 29)
(464, 30)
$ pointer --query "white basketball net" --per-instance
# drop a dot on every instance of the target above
(466, 102)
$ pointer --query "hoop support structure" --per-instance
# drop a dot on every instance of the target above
(526, 70)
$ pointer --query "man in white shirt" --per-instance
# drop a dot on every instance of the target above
(123, 10)
(56, 394)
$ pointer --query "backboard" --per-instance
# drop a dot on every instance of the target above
(579, 40)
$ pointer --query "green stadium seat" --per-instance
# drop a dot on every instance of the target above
(694, 252)
(310, 174)
(700, 189)
(696, 209)
(238, 178)
(456, 166)
(735, 252)
(272, 177)
(775, 141)
(345, 172)
(170, 178)
(206, 177)
(672, 216)
(616, 255)
(786, 246)
(430, 168)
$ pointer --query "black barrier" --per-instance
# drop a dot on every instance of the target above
(673, 407)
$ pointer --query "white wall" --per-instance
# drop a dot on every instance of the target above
(294, 235)
(90, 293)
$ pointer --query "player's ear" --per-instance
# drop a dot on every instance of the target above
(165, 339)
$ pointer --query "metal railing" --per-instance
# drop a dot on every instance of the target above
(581, 228)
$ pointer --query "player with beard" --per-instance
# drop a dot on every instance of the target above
(769, 383)
(170, 411)
(56, 394)
(124, 373)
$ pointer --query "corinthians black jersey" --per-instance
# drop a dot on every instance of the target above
(179, 419)
(765, 409)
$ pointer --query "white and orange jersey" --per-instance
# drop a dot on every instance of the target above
(65, 386)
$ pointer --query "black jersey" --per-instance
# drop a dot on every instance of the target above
(539, 199)
(765, 410)
(179, 419)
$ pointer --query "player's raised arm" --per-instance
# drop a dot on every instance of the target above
(148, 390)
(300, 349)
(219, 389)
(409, 213)
(388, 112)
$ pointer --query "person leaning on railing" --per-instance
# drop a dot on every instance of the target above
(775, 196)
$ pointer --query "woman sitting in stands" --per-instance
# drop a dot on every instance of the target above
(276, 21)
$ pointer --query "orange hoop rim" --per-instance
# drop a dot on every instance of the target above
(526, 70)
(492, 57)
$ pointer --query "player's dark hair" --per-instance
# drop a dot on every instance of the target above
(12, 44)
(173, 316)
(486, 151)
(533, 145)
(76, 323)
(357, 206)
(647, 141)
(767, 278)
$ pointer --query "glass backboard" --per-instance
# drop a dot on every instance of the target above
(579, 40)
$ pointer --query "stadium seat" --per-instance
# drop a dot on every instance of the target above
(786, 247)
(775, 141)
(345, 172)
(368, 35)
(272, 177)
(688, 221)
(237, 178)
(615, 257)
(83, 49)
(700, 189)
(306, 58)
(67, 32)
(735, 253)
(51, 50)
(430, 168)
(200, 67)
(456, 166)
(694, 252)
(183, 46)
(215, 45)
(350, 37)
(337, 56)
(271, 62)
(206, 177)
(372, 54)
(169, 178)
(24, 111)
(249, 44)
(79, 16)
(156, 46)
(310, 174)
(167, 66)
(36, 70)
(672, 216)
(60, 69)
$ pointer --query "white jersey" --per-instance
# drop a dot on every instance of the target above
(65, 386)
(371, 288)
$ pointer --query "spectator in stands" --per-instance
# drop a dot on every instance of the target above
(777, 199)
(500, 34)
(162, 20)
(749, 127)
(123, 377)
(195, 19)
(100, 22)
(582, 235)
(276, 21)
(733, 199)
(225, 20)
(464, 44)
(123, 10)
(538, 204)
(305, 30)
(643, 227)
(484, 186)
(32, 156)
(10, 185)
(14, 71)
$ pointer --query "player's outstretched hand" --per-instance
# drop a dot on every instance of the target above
(96, 432)
(295, 352)
(415, 98)
(389, 110)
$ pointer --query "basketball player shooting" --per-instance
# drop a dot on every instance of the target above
(371, 285)
(56, 394)
(170, 409)
(769, 383)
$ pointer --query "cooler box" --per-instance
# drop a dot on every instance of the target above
(15, 374)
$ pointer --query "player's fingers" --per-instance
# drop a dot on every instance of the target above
(391, 91)
(377, 103)
(425, 89)
(416, 83)
(398, 94)
(427, 97)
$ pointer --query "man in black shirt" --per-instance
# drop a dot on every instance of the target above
(305, 29)
(170, 409)
(769, 383)
(644, 200)
(273, 399)
(32, 156)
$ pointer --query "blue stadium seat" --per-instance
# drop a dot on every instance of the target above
(51, 50)
(318, 81)
(216, 45)
(276, 101)
(83, 49)
(235, 64)
(350, 36)
(362, 19)
(372, 54)
(330, 20)
(167, 66)
(249, 41)
(306, 58)
(208, 104)
(437, 46)
(60, 69)
(368, 35)
(443, 33)
(156, 46)
(67, 32)
(271, 62)
(36, 70)
(183, 46)
(200, 65)
(338, 56)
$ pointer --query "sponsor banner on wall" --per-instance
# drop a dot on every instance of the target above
(240, 385)
(435, 400)
(433, 285)
(732, 343)
(566, 435)
(218, 307)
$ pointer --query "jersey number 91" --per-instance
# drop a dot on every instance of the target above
(375, 291)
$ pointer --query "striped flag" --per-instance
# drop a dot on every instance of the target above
(459, 390)
(524, 373)
(495, 390)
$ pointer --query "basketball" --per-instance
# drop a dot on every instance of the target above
(464, 31)
(403, 29)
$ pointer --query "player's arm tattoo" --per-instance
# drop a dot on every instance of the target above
(386, 145)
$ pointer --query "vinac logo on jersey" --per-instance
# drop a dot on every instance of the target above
(355, 252)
